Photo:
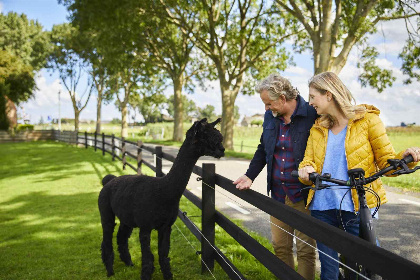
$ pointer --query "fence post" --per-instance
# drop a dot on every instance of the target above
(77, 138)
(159, 155)
(103, 143)
(139, 155)
(86, 145)
(113, 147)
(123, 152)
(242, 145)
(96, 136)
(208, 216)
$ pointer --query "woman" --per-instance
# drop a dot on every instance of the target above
(345, 136)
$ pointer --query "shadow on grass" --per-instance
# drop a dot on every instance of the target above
(50, 237)
(57, 234)
(58, 237)
(41, 157)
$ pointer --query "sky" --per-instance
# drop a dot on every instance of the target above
(400, 103)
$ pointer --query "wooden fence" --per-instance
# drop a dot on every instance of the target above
(378, 260)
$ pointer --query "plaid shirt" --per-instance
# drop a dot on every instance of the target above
(282, 181)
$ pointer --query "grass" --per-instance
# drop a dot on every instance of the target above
(246, 140)
(402, 140)
(50, 226)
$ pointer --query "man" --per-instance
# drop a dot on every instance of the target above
(286, 126)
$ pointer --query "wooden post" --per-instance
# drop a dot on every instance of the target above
(103, 143)
(96, 135)
(208, 216)
(113, 147)
(159, 155)
(123, 152)
(139, 156)
(86, 145)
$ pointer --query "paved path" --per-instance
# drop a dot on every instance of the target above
(398, 227)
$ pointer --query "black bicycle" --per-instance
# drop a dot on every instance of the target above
(358, 181)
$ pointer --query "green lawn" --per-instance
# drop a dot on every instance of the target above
(401, 141)
(246, 140)
(50, 226)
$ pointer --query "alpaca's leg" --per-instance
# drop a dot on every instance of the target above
(108, 224)
(147, 258)
(164, 244)
(123, 234)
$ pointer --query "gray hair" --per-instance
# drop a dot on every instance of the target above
(276, 86)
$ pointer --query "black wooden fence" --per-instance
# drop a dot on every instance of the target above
(378, 260)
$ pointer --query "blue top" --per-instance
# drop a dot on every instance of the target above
(335, 163)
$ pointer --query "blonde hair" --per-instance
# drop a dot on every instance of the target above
(330, 82)
(277, 86)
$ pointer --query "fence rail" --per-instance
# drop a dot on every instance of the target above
(378, 260)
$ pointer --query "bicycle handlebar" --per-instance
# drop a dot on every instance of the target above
(394, 165)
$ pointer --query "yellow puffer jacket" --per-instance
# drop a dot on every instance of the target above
(367, 146)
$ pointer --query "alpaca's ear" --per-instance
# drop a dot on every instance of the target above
(216, 122)
(198, 126)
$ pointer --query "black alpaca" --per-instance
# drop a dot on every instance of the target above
(152, 203)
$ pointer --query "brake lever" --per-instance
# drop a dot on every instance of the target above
(404, 171)
(396, 163)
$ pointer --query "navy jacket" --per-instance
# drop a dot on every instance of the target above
(300, 125)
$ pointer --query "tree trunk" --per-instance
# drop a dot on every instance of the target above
(124, 112)
(76, 119)
(178, 134)
(98, 112)
(228, 121)
(11, 113)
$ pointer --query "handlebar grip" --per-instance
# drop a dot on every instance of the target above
(408, 159)
(313, 176)
(295, 173)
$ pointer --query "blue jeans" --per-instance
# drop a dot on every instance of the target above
(329, 267)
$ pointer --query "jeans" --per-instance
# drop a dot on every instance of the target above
(330, 267)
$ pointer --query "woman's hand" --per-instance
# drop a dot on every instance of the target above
(414, 152)
(243, 183)
(304, 172)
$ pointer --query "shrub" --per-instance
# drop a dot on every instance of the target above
(257, 122)
(25, 127)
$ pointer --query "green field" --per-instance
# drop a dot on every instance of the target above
(50, 226)
(246, 140)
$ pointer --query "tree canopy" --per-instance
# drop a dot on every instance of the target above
(332, 28)
(24, 47)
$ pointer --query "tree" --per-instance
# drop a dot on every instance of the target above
(242, 38)
(92, 53)
(66, 60)
(150, 107)
(206, 112)
(411, 56)
(189, 107)
(333, 28)
(174, 53)
(23, 51)
(122, 41)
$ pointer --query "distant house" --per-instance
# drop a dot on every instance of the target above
(247, 121)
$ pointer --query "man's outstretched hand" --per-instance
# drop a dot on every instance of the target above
(243, 183)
